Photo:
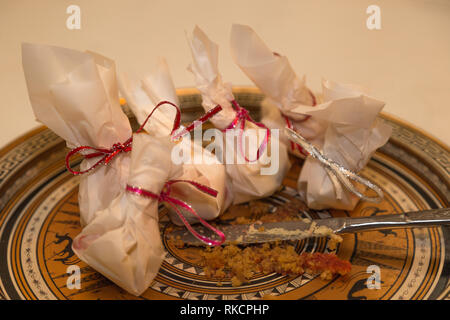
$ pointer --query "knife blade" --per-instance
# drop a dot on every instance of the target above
(306, 228)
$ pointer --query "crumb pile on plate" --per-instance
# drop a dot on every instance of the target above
(239, 264)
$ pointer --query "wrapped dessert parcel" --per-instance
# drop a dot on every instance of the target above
(142, 95)
(123, 241)
(344, 128)
(252, 173)
(66, 89)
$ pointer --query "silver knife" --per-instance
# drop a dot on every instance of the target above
(300, 229)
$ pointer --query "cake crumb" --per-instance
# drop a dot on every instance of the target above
(241, 264)
(235, 282)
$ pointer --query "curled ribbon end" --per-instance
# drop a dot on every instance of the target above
(177, 135)
(378, 198)
(177, 205)
(294, 136)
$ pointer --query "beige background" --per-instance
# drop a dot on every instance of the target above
(406, 63)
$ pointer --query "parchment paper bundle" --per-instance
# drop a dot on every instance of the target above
(345, 126)
(247, 181)
(142, 96)
(123, 241)
(66, 88)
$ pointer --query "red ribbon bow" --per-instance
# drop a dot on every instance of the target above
(117, 148)
(164, 196)
(242, 115)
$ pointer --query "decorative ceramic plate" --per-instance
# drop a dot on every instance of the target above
(40, 217)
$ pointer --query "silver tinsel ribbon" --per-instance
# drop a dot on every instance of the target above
(339, 175)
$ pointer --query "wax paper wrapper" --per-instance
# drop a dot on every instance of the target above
(353, 133)
(75, 94)
(345, 126)
(142, 96)
(123, 241)
(273, 75)
(247, 181)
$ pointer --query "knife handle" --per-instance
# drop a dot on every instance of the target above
(427, 218)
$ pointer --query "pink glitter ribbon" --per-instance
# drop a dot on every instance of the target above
(176, 204)
(108, 154)
(242, 115)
